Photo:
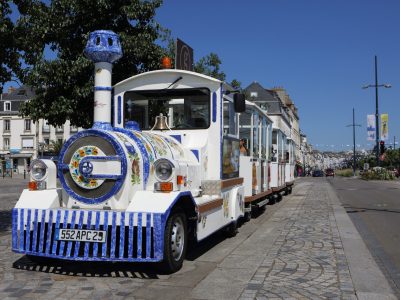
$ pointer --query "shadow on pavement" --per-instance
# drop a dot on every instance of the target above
(88, 269)
(5, 220)
(352, 209)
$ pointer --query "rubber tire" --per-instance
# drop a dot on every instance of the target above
(170, 264)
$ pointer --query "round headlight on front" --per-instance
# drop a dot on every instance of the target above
(163, 168)
(38, 170)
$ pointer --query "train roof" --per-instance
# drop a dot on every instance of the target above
(194, 75)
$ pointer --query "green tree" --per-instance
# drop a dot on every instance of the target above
(56, 146)
(237, 85)
(9, 55)
(64, 84)
(210, 65)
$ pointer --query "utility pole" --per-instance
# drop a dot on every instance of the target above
(354, 143)
(376, 85)
(394, 142)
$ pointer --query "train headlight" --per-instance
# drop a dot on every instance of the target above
(163, 169)
(38, 170)
(43, 175)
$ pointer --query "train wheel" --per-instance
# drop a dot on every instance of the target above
(175, 241)
(247, 216)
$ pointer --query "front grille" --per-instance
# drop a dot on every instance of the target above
(131, 236)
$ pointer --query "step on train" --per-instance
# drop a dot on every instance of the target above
(173, 156)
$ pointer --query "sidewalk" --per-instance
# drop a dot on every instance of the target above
(309, 249)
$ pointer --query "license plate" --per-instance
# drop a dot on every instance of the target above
(82, 235)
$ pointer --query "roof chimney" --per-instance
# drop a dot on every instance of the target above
(103, 48)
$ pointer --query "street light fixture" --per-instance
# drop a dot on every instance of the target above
(376, 86)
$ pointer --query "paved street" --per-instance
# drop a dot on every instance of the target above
(304, 247)
(374, 208)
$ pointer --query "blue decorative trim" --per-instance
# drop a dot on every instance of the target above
(214, 107)
(143, 152)
(49, 231)
(152, 252)
(103, 46)
(86, 167)
(139, 237)
(120, 153)
(178, 137)
(119, 118)
(21, 225)
(105, 227)
(122, 235)
(148, 235)
(130, 246)
(58, 218)
(35, 228)
(96, 245)
(14, 228)
(102, 126)
(103, 88)
(196, 153)
(113, 234)
(132, 125)
(28, 229)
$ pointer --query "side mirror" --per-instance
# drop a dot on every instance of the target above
(239, 102)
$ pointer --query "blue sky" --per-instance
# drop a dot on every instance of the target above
(321, 51)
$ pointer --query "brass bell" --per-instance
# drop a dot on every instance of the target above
(161, 123)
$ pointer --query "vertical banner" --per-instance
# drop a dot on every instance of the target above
(384, 127)
(371, 130)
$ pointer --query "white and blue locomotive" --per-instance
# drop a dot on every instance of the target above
(161, 165)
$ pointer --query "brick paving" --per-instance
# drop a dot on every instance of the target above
(307, 259)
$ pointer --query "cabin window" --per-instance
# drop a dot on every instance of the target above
(274, 147)
(185, 108)
(229, 118)
(245, 132)
(263, 138)
(256, 134)
(230, 157)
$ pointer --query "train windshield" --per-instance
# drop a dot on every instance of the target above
(184, 108)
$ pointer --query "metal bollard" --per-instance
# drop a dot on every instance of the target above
(24, 174)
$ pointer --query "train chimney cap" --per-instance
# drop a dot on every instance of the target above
(103, 46)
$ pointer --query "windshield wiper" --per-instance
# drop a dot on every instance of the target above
(175, 81)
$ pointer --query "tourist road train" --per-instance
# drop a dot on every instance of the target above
(162, 166)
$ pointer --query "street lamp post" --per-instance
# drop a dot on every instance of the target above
(354, 143)
(376, 85)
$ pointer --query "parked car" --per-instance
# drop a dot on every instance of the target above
(318, 173)
(330, 172)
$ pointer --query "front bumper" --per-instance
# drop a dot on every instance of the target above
(131, 236)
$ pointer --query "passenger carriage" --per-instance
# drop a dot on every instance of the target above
(160, 166)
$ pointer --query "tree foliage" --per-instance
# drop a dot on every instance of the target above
(64, 84)
(9, 56)
(210, 65)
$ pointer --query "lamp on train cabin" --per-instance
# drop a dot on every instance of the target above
(166, 63)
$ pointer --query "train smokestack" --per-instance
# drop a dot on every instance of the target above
(103, 48)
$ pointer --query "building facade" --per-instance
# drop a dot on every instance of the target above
(22, 139)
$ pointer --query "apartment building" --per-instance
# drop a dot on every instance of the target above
(22, 139)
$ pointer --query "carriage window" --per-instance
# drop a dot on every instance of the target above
(245, 131)
(264, 138)
(274, 148)
(185, 108)
(256, 127)
(229, 118)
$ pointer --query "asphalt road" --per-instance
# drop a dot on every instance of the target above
(374, 208)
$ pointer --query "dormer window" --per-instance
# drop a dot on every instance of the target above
(7, 106)
(254, 94)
